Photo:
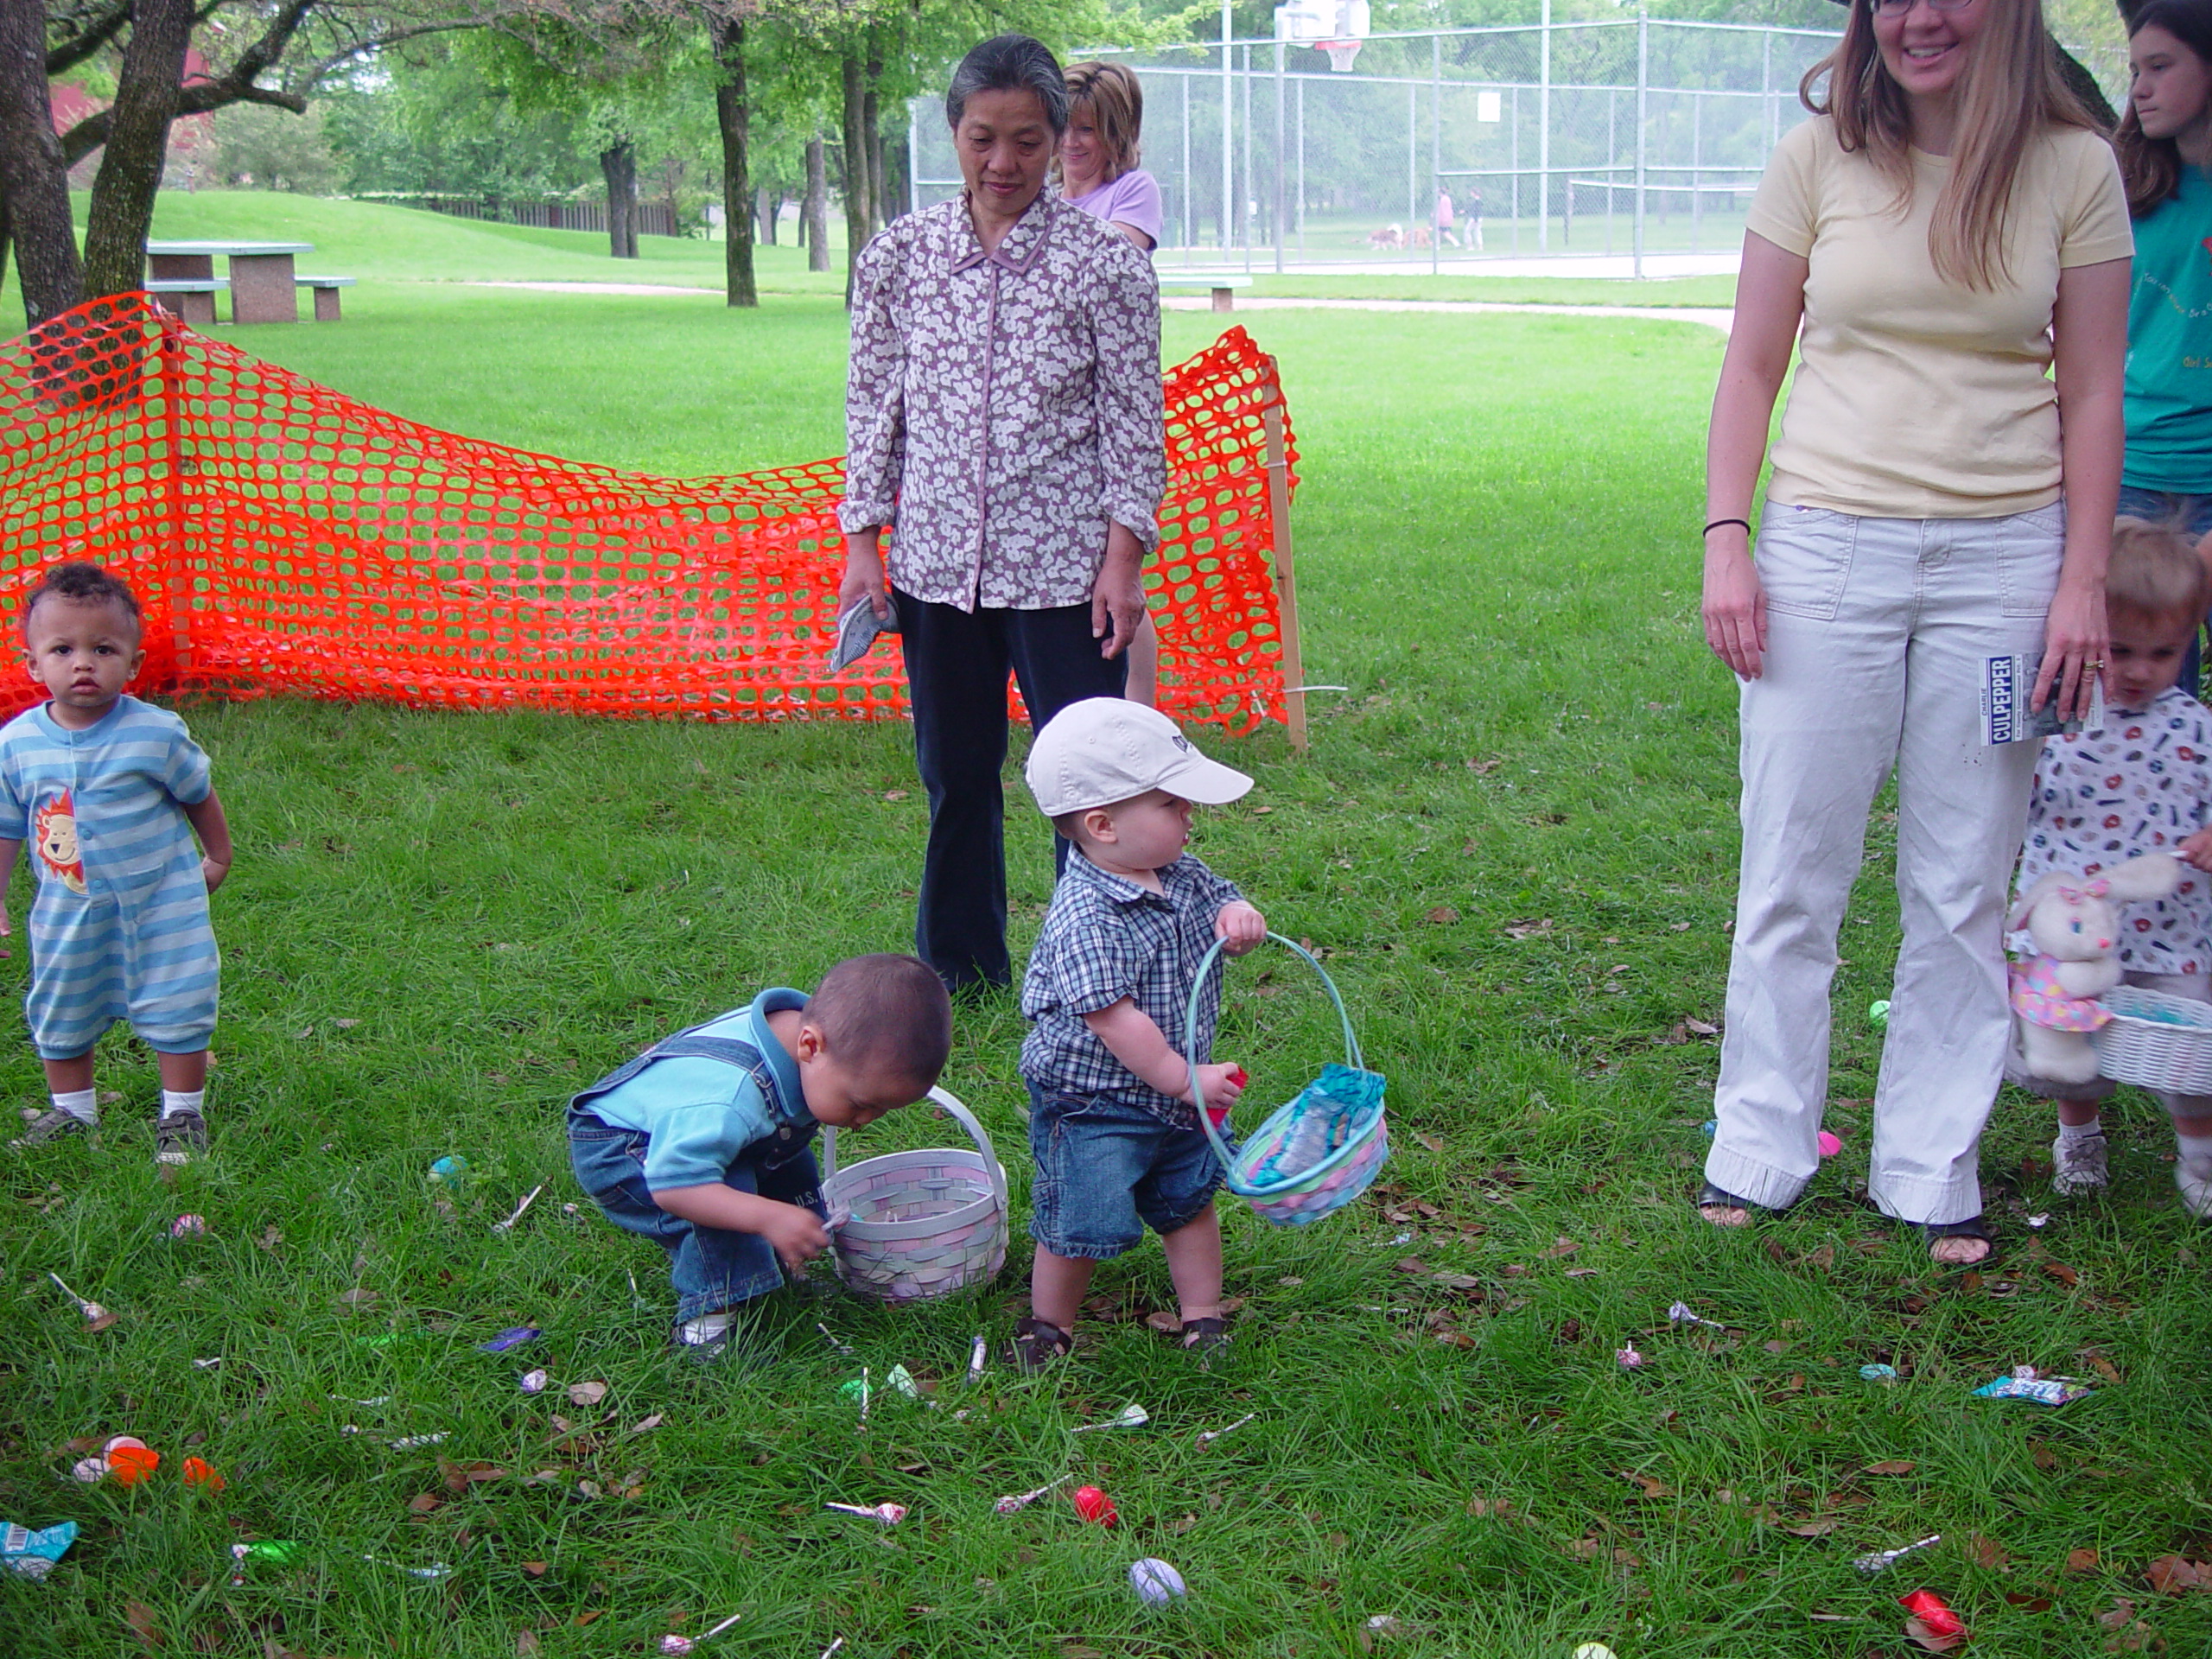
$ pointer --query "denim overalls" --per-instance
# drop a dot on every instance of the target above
(711, 1269)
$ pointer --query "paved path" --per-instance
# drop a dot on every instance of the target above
(1711, 317)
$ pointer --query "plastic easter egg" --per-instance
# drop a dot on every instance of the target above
(90, 1470)
(449, 1171)
(1877, 1014)
(1093, 1504)
(129, 1465)
(1830, 1144)
(198, 1472)
(1593, 1651)
(1157, 1584)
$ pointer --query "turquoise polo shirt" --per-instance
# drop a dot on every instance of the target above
(2170, 345)
(702, 1115)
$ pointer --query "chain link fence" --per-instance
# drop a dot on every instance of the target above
(1636, 138)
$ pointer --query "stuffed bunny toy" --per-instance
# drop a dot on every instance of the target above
(2075, 922)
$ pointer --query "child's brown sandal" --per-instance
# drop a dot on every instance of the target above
(1037, 1342)
(1208, 1338)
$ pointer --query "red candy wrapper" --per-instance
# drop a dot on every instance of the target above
(1931, 1609)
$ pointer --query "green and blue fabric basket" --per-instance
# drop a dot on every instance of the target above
(1316, 1154)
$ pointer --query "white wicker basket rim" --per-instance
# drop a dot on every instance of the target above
(2117, 1001)
(985, 1159)
(861, 1231)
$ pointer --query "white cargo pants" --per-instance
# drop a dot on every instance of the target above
(1877, 630)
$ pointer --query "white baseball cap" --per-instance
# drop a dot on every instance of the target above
(1104, 750)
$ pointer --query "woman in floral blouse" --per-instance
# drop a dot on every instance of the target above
(1002, 411)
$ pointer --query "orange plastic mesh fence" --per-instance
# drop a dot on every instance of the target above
(286, 540)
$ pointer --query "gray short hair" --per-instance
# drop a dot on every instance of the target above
(1010, 63)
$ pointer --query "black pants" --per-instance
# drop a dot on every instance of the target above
(956, 665)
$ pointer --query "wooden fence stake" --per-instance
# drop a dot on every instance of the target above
(1293, 666)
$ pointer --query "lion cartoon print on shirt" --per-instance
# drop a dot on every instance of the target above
(56, 839)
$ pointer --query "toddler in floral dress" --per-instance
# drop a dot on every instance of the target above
(2141, 784)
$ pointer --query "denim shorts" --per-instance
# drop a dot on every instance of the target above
(1106, 1171)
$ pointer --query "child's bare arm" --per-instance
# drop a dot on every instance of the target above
(1132, 1038)
(205, 817)
(2198, 850)
(9, 851)
(797, 1235)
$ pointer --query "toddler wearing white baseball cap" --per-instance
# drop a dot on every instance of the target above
(1113, 1121)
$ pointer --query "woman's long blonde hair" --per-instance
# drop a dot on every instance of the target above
(2009, 93)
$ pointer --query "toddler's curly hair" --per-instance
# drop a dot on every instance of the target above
(82, 582)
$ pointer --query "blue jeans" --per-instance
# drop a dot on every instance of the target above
(711, 1269)
(1106, 1171)
(2194, 513)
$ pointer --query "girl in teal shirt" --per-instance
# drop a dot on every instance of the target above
(2165, 143)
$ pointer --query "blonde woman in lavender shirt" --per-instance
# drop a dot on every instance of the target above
(1099, 174)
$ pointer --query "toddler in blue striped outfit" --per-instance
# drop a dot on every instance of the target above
(109, 791)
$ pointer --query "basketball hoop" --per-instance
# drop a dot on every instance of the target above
(1342, 53)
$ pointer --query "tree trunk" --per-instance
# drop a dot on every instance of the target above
(618, 165)
(34, 178)
(764, 208)
(146, 91)
(872, 134)
(813, 216)
(860, 190)
(894, 190)
(732, 114)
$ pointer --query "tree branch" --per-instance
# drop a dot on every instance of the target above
(376, 43)
(198, 99)
(98, 33)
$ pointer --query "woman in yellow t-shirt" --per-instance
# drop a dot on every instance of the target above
(1946, 228)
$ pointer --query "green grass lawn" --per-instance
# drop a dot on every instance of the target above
(1513, 835)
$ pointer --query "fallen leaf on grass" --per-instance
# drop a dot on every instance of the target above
(586, 1617)
(646, 1424)
(1164, 1322)
(2044, 1457)
(358, 1298)
(140, 1618)
(1410, 1264)
(1501, 1508)
(586, 1394)
(1985, 1553)
(1823, 1258)
(1564, 1246)
(1441, 916)
(2170, 1575)
(533, 1569)
(1652, 1485)
(1527, 927)
(424, 1503)
(2060, 1271)
(1894, 1466)
(1928, 1637)
(1699, 1027)
(1456, 1280)
(2081, 1561)
(2032, 1604)
(2103, 1368)
(1819, 1528)
(460, 1477)
(2121, 1613)
(1079, 1650)
(1434, 1143)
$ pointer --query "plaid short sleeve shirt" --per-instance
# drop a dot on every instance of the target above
(1106, 938)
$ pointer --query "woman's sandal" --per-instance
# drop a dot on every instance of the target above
(1208, 1338)
(1973, 1227)
(1037, 1342)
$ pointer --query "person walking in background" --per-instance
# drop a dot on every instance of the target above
(1949, 226)
(1099, 174)
(1475, 218)
(1002, 409)
(1444, 218)
(2165, 143)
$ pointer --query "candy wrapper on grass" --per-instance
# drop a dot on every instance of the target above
(2024, 1383)
(1015, 1502)
(31, 1554)
(1933, 1625)
(674, 1643)
(889, 1514)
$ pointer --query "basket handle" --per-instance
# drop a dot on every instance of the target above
(946, 1101)
(1191, 1031)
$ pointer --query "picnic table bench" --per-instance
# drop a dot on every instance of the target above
(262, 286)
(1224, 287)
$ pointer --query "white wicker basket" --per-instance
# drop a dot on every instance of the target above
(922, 1224)
(2155, 1041)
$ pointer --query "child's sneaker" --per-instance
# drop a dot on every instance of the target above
(49, 1125)
(2078, 1164)
(2195, 1187)
(179, 1138)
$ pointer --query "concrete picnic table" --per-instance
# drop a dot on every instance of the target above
(262, 287)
